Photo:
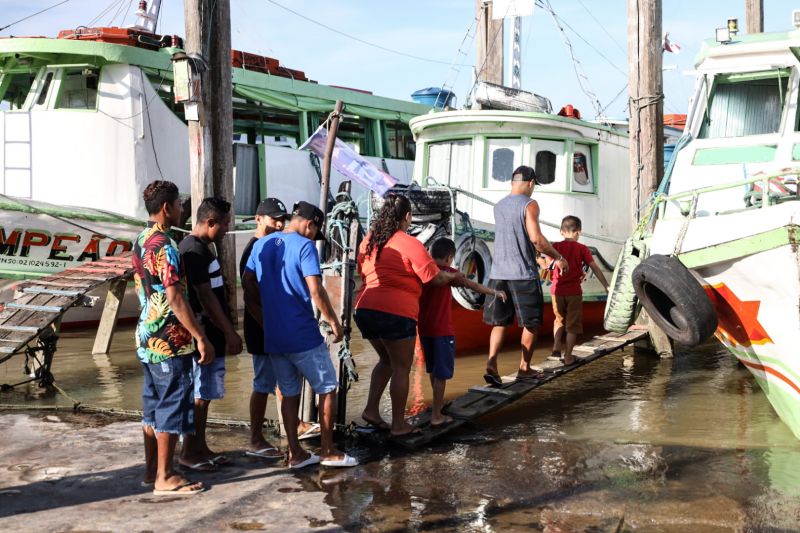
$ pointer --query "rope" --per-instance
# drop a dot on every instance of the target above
(31, 16)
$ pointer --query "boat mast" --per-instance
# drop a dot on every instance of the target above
(147, 15)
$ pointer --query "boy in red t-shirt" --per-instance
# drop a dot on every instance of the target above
(566, 291)
(436, 331)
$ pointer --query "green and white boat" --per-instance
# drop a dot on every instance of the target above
(89, 118)
(729, 209)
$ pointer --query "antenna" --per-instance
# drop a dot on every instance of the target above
(147, 16)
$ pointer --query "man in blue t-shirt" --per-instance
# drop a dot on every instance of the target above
(281, 279)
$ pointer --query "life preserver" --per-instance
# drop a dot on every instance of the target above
(675, 300)
(474, 259)
(621, 304)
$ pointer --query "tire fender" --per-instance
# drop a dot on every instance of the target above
(622, 304)
(675, 300)
(474, 259)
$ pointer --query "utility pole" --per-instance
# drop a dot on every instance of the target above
(754, 15)
(489, 39)
(646, 123)
(208, 34)
(646, 102)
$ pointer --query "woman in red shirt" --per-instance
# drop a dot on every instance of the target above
(393, 266)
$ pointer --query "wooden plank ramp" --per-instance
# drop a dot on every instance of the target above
(38, 304)
(483, 399)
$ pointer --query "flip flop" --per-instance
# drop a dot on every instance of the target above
(203, 466)
(382, 426)
(312, 460)
(311, 432)
(147, 484)
(492, 377)
(530, 377)
(221, 460)
(344, 462)
(176, 491)
(555, 356)
(262, 453)
(415, 431)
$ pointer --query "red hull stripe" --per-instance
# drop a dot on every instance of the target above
(770, 370)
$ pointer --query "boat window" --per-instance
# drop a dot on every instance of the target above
(48, 79)
(399, 141)
(502, 157)
(741, 106)
(14, 89)
(449, 161)
(548, 160)
(78, 89)
(582, 169)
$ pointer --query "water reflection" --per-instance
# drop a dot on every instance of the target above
(629, 441)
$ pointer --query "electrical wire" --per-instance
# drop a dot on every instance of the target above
(358, 39)
(33, 15)
(104, 12)
(619, 46)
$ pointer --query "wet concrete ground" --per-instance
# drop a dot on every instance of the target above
(627, 443)
(83, 473)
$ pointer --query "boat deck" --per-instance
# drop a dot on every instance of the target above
(481, 400)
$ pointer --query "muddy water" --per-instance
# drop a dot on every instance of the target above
(626, 443)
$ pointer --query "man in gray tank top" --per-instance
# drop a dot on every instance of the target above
(518, 236)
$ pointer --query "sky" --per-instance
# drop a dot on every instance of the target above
(440, 33)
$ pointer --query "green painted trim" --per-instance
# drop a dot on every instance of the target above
(753, 76)
(731, 155)
(10, 204)
(483, 116)
(262, 170)
(303, 127)
(711, 45)
(727, 251)
(758, 358)
(796, 152)
(376, 137)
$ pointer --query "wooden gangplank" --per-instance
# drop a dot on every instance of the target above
(483, 399)
(39, 304)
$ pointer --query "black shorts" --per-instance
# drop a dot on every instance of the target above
(379, 325)
(524, 300)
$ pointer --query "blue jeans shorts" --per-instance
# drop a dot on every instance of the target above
(209, 380)
(264, 381)
(167, 402)
(315, 365)
(440, 355)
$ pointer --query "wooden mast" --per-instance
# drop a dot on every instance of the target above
(754, 15)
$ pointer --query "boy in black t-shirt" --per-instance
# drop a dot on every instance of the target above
(209, 301)
(270, 217)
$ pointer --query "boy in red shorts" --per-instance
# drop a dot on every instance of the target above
(566, 290)
(435, 325)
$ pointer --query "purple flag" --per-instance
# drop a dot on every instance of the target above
(350, 164)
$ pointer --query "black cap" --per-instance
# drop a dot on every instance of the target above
(310, 212)
(271, 207)
(524, 173)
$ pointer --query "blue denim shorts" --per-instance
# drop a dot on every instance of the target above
(440, 355)
(264, 381)
(315, 365)
(167, 402)
(209, 380)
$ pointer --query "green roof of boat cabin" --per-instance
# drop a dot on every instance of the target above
(709, 46)
(285, 93)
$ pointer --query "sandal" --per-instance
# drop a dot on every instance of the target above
(492, 377)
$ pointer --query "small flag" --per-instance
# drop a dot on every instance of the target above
(669, 46)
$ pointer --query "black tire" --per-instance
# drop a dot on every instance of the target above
(474, 259)
(674, 300)
(423, 201)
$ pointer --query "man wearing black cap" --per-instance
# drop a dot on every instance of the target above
(518, 236)
(281, 280)
(270, 217)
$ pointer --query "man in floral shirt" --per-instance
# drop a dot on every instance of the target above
(166, 335)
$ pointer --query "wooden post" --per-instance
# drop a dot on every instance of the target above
(346, 302)
(646, 125)
(489, 41)
(646, 102)
(208, 33)
(108, 321)
(308, 407)
(754, 15)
